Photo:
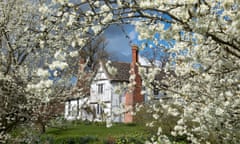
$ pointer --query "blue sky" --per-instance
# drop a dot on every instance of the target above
(119, 45)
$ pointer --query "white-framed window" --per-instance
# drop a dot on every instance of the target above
(78, 109)
(100, 88)
(99, 109)
(69, 108)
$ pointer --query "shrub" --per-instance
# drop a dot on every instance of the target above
(129, 140)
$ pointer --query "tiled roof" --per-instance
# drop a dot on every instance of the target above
(124, 68)
(122, 71)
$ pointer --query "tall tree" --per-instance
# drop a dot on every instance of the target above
(17, 42)
(95, 51)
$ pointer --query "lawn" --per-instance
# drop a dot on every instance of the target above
(98, 133)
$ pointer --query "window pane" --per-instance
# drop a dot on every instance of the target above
(100, 88)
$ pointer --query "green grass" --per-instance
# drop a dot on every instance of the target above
(78, 132)
(99, 131)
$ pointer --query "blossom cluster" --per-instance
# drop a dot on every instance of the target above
(204, 56)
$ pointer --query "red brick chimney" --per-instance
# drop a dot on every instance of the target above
(134, 54)
(133, 96)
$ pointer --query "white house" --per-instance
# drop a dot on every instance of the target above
(104, 102)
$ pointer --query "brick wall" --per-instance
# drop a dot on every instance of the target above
(133, 96)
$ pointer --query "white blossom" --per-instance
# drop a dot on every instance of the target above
(105, 8)
(202, 40)
(155, 116)
(43, 8)
(42, 72)
(60, 55)
(96, 29)
(58, 64)
(229, 93)
(219, 111)
(74, 54)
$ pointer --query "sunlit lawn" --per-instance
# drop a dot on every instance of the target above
(97, 130)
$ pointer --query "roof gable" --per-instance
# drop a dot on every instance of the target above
(101, 74)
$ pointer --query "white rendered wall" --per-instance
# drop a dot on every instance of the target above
(111, 103)
(74, 109)
(118, 102)
(100, 78)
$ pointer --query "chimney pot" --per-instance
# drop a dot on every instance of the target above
(134, 54)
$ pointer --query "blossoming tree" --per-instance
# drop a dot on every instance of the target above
(17, 42)
(205, 55)
(28, 70)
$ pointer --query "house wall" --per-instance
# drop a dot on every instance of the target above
(101, 105)
(100, 100)
(76, 109)
(118, 102)
(108, 100)
(100, 79)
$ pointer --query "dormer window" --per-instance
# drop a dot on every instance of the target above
(100, 88)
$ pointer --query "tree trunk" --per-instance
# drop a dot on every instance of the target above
(43, 128)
